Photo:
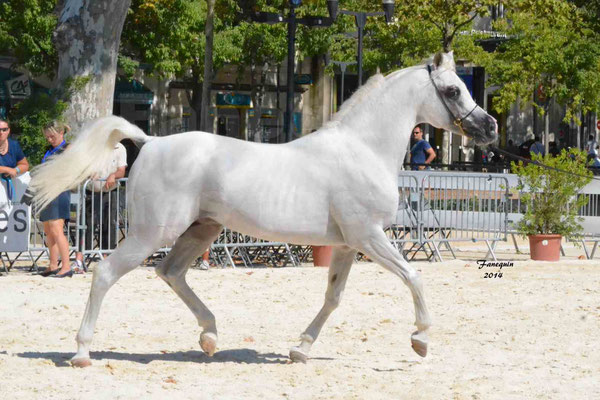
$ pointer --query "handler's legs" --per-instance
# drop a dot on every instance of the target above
(341, 263)
(125, 259)
(60, 244)
(52, 246)
(381, 251)
(173, 268)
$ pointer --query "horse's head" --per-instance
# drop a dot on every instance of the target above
(451, 107)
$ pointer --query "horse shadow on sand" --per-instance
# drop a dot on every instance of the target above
(238, 356)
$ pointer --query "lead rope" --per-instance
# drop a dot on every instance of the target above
(539, 164)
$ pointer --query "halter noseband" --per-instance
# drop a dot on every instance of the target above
(457, 121)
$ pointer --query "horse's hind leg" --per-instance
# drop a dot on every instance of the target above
(125, 259)
(341, 263)
(381, 251)
(173, 268)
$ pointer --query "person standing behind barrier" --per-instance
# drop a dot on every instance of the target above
(12, 159)
(57, 212)
(537, 147)
(105, 202)
(421, 152)
(592, 147)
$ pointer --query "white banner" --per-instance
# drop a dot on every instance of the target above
(14, 217)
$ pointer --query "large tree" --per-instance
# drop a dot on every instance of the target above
(87, 40)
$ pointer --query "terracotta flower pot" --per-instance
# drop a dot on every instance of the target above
(322, 256)
(545, 247)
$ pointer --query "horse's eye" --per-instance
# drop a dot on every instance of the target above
(453, 92)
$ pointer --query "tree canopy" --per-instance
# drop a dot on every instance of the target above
(551, 49)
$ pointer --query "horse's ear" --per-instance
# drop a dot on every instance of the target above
(438, 59)
(445, 60)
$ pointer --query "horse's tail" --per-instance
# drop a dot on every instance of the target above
(85, 157)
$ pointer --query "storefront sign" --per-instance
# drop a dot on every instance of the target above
(19, 87)
(233, 100)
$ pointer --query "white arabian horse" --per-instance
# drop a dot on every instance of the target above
(337, 187)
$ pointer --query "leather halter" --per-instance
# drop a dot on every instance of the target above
(457, 121)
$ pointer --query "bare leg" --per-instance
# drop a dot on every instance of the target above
(52, 247)
(61, 244)
(341, 263)
(125, 259)
(173, 268)
(381, 251)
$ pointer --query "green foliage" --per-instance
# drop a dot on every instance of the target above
(26, 28)
(168, 34)
(128, 65)
(28, 119)
(550, 45)
(550, 196)
(420, 29)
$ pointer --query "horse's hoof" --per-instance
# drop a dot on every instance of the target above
(81, 362)
(297, 355)
(208, 343)
(419, 343)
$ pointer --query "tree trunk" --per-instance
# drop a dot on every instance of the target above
(208, 65)
(257, 93)
(194, 97)
(87, 40)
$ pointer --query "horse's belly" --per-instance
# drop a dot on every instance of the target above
(290, 228)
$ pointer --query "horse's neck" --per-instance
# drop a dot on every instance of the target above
(384, 121)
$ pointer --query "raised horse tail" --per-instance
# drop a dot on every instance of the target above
(85, 157)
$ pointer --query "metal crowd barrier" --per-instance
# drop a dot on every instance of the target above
(440, 208)
(436, 209)
(591, 219)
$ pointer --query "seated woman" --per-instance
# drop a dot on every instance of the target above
(57, 213)
(12, 160)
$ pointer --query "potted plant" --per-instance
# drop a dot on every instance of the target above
(551, 201)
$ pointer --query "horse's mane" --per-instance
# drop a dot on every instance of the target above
(374, 83)
(377, 81)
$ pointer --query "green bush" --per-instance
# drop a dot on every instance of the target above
(550, 196)
(28, 119)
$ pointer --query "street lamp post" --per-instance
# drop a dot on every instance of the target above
(343, 65)
(292, 21)
(289, 102)
(315, 21)
(360, 19)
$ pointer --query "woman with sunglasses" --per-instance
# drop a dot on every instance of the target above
(12, 159)
(57, 213)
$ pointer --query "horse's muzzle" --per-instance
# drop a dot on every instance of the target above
(482, 130)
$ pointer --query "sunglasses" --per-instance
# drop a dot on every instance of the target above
(416, 132)
(4, 129)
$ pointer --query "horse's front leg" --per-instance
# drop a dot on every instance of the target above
(380, 250)
(341, 262)
(125, 259)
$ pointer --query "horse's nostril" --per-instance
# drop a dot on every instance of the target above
(492, 125)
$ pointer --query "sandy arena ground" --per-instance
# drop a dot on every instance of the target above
(532, 334)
